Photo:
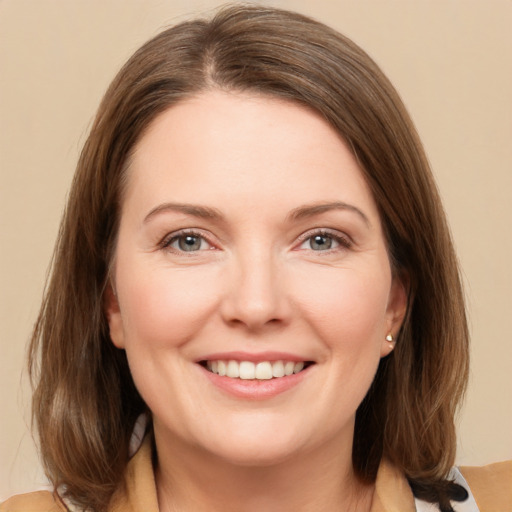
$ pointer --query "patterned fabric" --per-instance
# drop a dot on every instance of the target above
(468, 505)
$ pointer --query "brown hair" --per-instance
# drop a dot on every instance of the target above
(85, 403)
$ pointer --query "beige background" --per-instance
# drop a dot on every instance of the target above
(451, 62)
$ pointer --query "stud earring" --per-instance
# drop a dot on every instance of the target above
(390, 338)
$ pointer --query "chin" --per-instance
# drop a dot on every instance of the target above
(265, 444)
(257, 454)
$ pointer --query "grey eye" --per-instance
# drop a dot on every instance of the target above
(190, 243)
(320, 242)
(187, 242)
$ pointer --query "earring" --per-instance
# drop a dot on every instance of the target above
(390, 338)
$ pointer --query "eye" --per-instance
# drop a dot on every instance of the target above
(187, 242)
(323, 241)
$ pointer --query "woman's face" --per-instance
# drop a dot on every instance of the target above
(249, 243)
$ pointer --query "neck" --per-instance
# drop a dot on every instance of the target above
(322, 480)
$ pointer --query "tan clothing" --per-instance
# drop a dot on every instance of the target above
(490, 485)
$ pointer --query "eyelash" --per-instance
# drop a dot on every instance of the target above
(173, 237)
(343, 241)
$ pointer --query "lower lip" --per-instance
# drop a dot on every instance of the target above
(256, 389)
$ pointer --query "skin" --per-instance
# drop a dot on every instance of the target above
(256, 283)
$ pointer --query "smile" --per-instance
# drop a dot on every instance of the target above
(248, 370)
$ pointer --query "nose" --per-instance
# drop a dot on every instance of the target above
(255, 295)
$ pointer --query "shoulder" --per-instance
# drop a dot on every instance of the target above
(490, 485)
(39, 501)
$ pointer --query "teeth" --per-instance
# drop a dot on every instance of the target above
(288, 367)
(233, 370)
(278, 369)
(221, 368)
(247, 370)
(298, 367)
(264, 371)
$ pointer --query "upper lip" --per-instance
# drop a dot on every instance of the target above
(255, 357)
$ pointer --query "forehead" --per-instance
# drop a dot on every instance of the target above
(219, 145)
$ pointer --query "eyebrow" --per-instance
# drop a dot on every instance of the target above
(318, 208)
(302, 212)
(203, 212)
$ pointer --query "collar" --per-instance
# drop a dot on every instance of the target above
(392, 490)
(138, 492)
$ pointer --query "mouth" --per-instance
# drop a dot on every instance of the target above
(249, 370)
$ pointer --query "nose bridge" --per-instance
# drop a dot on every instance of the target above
(255, 296)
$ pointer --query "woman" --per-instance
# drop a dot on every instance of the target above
(254, 274)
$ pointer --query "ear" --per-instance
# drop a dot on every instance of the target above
(113, 314)
(395, 311)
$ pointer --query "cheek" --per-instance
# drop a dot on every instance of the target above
(347, 312)
(347, 306)
(163, 306)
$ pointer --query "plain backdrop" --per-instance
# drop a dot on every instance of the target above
(451, 62)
